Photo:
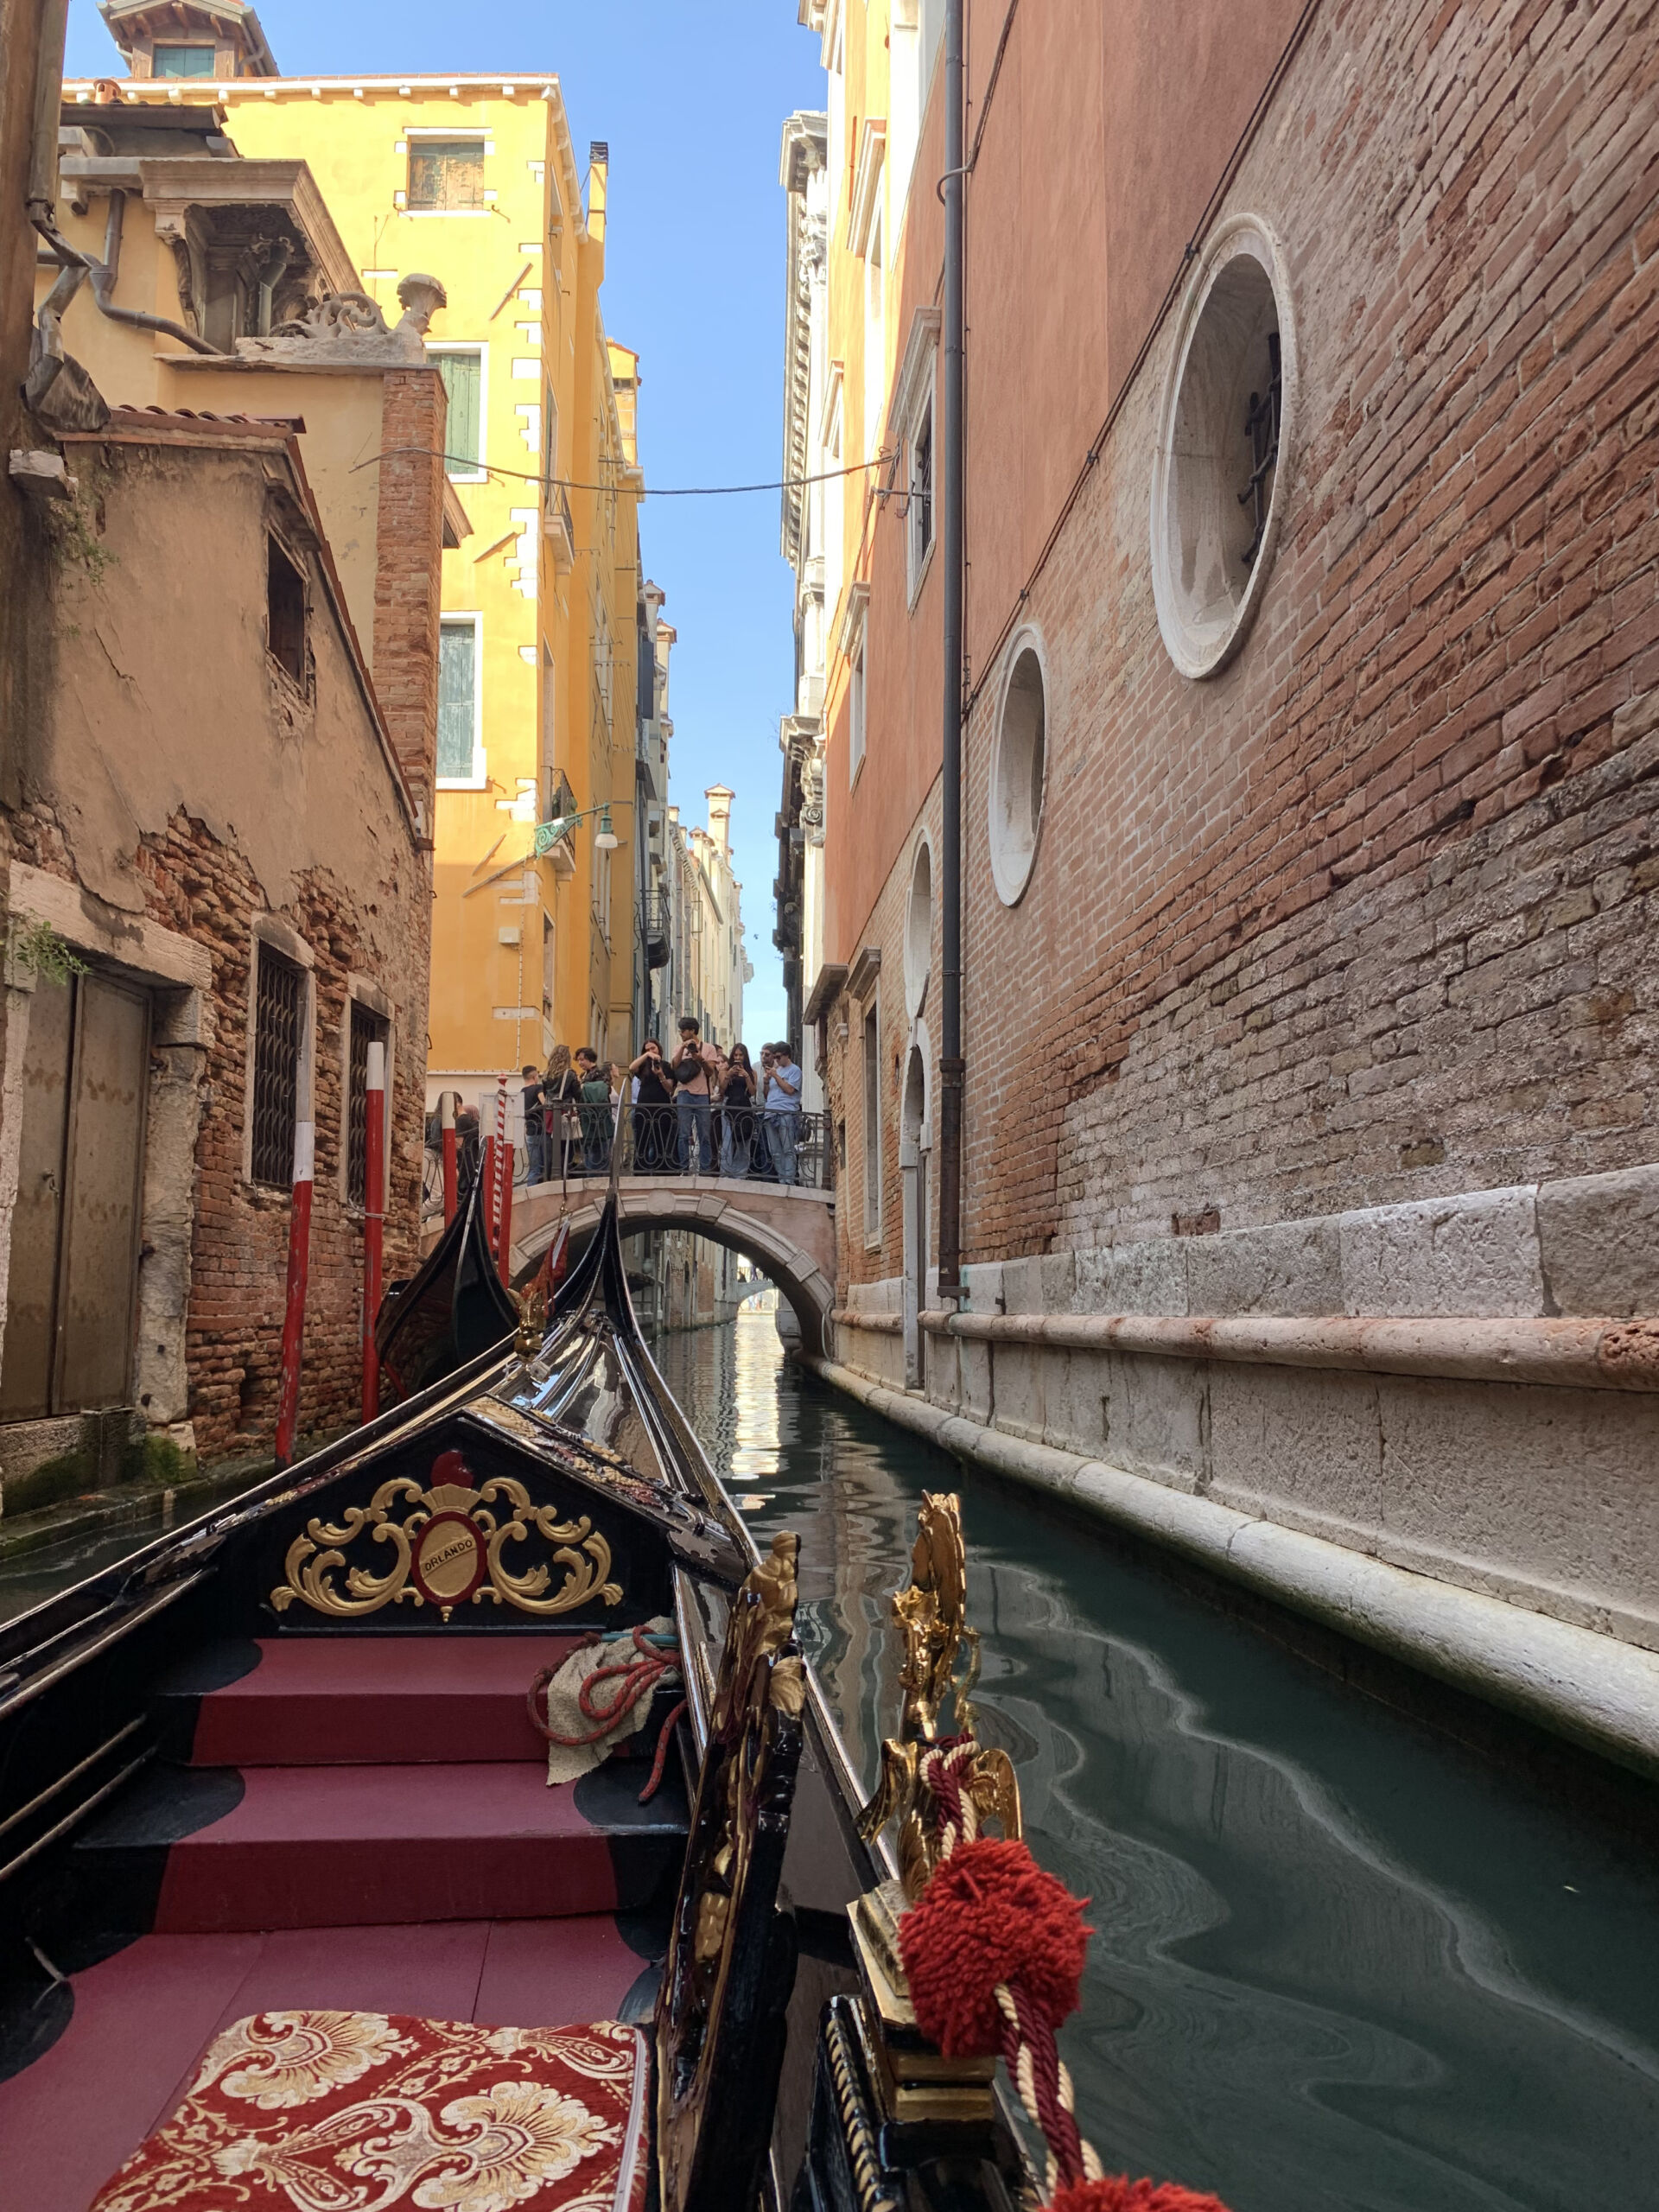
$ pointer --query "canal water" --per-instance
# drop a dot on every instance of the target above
(1341, 1964)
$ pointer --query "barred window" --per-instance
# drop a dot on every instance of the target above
(278, 1030)
(367, 1028)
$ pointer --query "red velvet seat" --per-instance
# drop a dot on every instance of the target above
(318, 2111)
(337, 2111)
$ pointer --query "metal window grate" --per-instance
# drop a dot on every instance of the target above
(1261, 428)
(367, 1028)
(279, 1010)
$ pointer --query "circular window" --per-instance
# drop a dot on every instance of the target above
(1017, 765)
(1223, 445)
(919, 930)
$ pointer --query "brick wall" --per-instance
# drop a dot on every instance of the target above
(1372, 915)
(408, 577)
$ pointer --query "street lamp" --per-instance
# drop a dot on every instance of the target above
(549, 833)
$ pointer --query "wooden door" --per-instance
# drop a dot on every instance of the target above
(72, 1295)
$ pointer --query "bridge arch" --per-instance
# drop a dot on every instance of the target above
(789, 1233)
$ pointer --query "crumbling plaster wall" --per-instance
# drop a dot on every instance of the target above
(178, 792)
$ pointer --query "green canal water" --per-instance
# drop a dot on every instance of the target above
(1341, 1964)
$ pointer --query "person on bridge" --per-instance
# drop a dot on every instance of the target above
(535, 1149)
(561, 1090)
(737, 1104)
(653, 1112)
(595, 1112)
(783, 1111)
(692, 1068)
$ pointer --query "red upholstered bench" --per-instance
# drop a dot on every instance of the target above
(376, 2112)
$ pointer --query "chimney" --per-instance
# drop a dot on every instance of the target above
(720, 816)
(598, 170)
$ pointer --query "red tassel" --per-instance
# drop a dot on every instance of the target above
(1117, 2193)
(989, 1913)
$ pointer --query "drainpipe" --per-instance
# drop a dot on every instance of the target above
(41, 199)
(950, 555)
(105, 273)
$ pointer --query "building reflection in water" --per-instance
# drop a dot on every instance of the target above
(1340, 1962)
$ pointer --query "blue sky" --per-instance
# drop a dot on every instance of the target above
(692, 100)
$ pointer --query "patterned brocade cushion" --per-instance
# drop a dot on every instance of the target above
(364, 2112)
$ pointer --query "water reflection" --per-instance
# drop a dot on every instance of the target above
(1339, 1963)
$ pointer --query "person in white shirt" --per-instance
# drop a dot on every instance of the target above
(783, 1108)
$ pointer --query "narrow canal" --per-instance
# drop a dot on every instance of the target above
(1341, 1964)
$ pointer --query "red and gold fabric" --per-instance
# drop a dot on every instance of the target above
(373, 2112)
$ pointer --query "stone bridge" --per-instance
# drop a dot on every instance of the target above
(788, 1231)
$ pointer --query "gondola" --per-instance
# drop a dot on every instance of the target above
(454, 1308)
(290, 1916)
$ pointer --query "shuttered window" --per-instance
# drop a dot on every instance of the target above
(463, 436)
(457, 700)
(279, 1020)
(183, 61)
(446, 173)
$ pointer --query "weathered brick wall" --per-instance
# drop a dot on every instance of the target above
(206, 890)
(409, 576)
(1372, 915)
(181, 778)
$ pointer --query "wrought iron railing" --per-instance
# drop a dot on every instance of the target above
(792, 1149)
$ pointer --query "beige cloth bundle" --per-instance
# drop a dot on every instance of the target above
(562, 1703)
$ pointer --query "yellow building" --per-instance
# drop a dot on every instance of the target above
(475, 179)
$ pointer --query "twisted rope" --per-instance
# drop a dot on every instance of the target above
(635, 1678)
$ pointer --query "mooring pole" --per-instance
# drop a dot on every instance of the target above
(492, 1188)
(451, 1166)
(374, 1218)
(504, 1245)
(299, 1266)
(951, 537)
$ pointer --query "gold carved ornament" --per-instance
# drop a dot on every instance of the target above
(742, 1808)
(448, 1551)
(930, 1614)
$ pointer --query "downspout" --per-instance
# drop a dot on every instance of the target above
(103, 275)
(950, 553)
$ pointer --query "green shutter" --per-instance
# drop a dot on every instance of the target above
(183, 60)
(457, 698)
(463, 380)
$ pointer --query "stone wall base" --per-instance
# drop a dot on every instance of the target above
(1591, 1687)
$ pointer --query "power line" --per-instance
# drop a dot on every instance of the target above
(651, 492)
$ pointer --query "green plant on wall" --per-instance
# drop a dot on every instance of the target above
(36, 948)
(75, 527)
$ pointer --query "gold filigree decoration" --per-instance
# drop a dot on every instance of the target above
(532, 1321)
(734, 1855)
(467, 1567)
(931, 1615)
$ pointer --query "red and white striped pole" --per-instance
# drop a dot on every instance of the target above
(501, 1153)
(451, 1170)
(374, 1216)
(299, 1267)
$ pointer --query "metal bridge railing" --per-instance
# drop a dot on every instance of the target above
(661, 1141)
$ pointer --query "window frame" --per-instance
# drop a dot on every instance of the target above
(361, 992)
(423, 141)
(453, 618)
(917, 561)
(184, 46)
(271, 931)
(870, 1077)
(438, 347)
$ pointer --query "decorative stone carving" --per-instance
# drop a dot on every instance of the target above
(347, 330)
(812, 798)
